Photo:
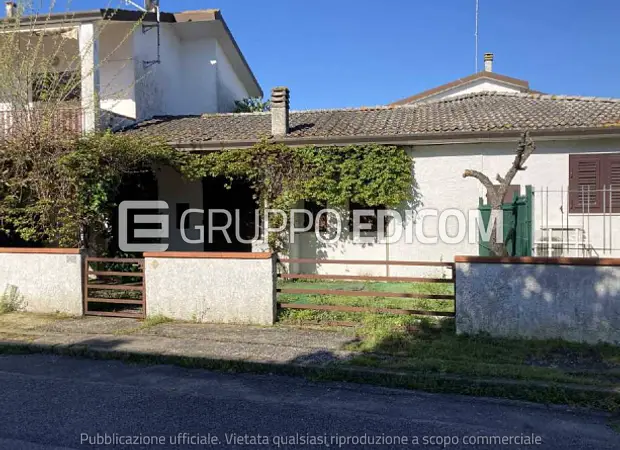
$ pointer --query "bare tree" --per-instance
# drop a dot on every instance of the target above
(42, 69)
(497, 192)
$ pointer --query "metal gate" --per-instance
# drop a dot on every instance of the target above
(114, 287)
(517, 221)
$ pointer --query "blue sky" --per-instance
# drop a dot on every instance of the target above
(342, 53)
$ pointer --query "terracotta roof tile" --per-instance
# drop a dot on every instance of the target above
(479, 112)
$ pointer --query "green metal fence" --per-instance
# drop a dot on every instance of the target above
(517, 224)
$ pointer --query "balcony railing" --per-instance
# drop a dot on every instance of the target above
(60, 121)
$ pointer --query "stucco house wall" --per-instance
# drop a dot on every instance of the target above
(548, 168)
(159, 87)
(130, 74)
(194, 75)
(438, 171)
(199, 76)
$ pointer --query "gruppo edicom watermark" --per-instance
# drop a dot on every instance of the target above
(146, 225)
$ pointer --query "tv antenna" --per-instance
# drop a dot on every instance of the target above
(476, 37)
(150, 6)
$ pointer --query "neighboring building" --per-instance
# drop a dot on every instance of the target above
(129, 67)
(485, 81)
(132, 65)
(577, 141)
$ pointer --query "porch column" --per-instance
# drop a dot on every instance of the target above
(89, 55)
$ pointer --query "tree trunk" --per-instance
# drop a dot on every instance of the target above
(497, 192)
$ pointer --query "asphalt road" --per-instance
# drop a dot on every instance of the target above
(49, 402)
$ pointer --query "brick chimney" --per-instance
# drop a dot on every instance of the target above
(11, 9)
(488, 62)
(279, 111)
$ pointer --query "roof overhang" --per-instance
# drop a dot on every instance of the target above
(414, 139)
(65, 18)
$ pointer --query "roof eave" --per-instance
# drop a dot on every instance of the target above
(112, 14)
(252, 85)
(122, 15)
(413, 139)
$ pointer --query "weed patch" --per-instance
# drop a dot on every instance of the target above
(11, 301)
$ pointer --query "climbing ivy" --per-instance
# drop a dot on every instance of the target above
(97, 169)
(66, 193)
(61, 191)
(369, 174)
(281, 176)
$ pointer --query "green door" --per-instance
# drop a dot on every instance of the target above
(517, 225)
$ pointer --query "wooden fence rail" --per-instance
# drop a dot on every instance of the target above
(361, 293)
(112, 280)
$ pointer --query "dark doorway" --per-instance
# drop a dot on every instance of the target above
(138, 186)
(239, 196)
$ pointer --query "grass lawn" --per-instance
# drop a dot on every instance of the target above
(433, 346)
(428, 348)
(430, 345)
(429, 355)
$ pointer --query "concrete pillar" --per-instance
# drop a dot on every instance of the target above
(262, 244)
(89, 55)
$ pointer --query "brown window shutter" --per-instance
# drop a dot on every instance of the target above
(585, 183)
(612, 181)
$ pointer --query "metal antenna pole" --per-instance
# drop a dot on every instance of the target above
(476, 35)
(146, 28)
(135, 5)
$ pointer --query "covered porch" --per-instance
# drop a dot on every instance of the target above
(214, 197)
(72, 78)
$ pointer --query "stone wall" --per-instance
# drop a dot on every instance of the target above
(575, 299)
(212, 287)
(42, 280)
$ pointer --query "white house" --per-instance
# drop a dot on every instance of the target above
(132, 65)
(577, 141)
